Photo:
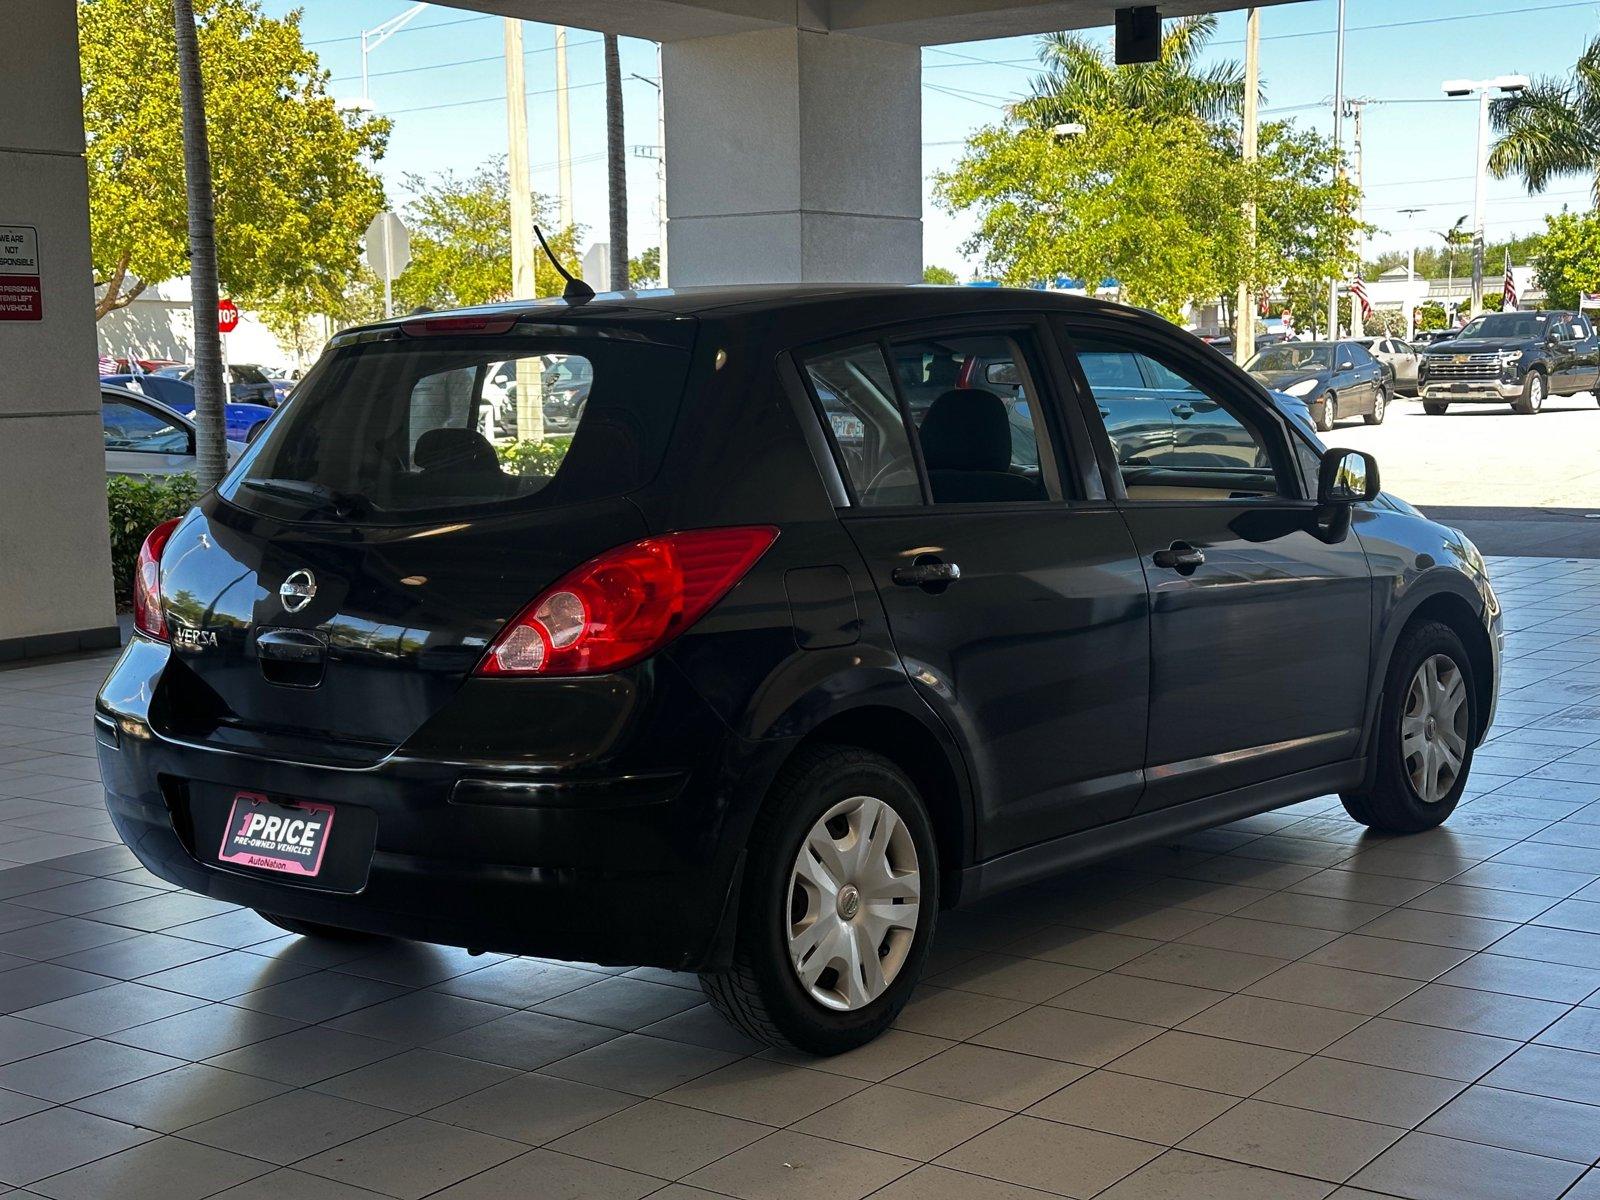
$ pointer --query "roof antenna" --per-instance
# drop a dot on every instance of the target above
(576, 291)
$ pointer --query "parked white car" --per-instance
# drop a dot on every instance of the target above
(145, 437)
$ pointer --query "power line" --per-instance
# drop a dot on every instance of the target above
(460, 62)
(356, 37)
(1349, 29)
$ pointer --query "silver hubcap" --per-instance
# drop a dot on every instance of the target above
(1377, 404)
(854, 895)
(1434, 727)
(1327, 412)
(1536, 391)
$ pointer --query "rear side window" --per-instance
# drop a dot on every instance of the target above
(393, 431)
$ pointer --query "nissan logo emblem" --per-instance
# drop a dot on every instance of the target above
(299, 590)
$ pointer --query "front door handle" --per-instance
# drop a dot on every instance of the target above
(1180, 557)
(928, 572)
(1183, 411)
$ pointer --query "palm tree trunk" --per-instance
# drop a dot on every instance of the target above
(211, 446)
(616, 168)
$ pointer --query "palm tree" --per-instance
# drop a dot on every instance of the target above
(211, 446)
(616, 168)
(1552, 128)
(1081, 76)
(1457, 237)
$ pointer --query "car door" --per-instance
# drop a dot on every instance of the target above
(1405, 365)
(1357, 378)
(1587, 352)
(141, 441)
(1260, 625)
(1013, 592)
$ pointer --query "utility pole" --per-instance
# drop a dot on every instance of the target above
(1455, 88)
(1244, 309)
(1338, 145)
(524, 284)
(1410, 214)
(616, 168)
(563, 131)
(658, 153)
(1357, 321)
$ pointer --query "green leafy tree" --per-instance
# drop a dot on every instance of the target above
(461, 241)
(943, 275)
(291, 172)
(1568, 261)
(644, 268)
(1081, 77)
(1551, 129)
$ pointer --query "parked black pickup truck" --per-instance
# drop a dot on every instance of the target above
(1515, 357)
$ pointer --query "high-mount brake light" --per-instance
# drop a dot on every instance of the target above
(443, 326)
(627, 603)
(148, 618)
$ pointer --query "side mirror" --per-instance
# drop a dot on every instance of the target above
(1003, 374)
(1347, 476)
(1346, 365)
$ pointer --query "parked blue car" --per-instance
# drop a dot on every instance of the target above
(242, 420)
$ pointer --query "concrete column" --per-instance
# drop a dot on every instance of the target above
(793, 156)
(55, 564)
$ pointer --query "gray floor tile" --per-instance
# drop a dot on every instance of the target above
(1126, 1105)
(24, 1039)
(997, 1078)
(1543, 1071)
(59, 1139)
(1447, 1053)
(176, 1099)
(320, 996)
(1334, 987)
(294, 1125)
(661, 1139)
(1578, 1030)
(1295, 1140)
(412, 1159)
(1133, 998)
(541, 1173)
(109, 1010)
(1423, 1167)
(769, 1092)
(925, 1183)
(524, 1040)
(1209, 1063)
(165, 1169)
(898, 1121)
(1266, 1022)
(82, 1069)
(1524, 977)
(1403, 1099)
(418, 1018)
(37, 983)
(205, 1032)
(518, 982)
(305, 1056)
(1517, 1121)
(1084, 1038)
(645, 1066)
(285, 1182)
(415, 1080)
(1202, 966)
(533, 1108)
(1181, 1175)
(1051, 1156)
(951, 1013)
(1493, 1013)
(792, 1166)
(224, 975)
(622, 1003)
(1029, 980)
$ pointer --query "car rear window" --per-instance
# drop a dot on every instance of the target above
(402, 430)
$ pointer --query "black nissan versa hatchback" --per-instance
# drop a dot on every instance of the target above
(761, 665)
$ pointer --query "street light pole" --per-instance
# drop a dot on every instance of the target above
(1456, 88)
(371, 39)
(1244, 309)
(1338, 147)
(1411, 268)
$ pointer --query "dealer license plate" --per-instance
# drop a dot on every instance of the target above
(276, 837)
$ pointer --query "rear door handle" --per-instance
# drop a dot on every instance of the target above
(926, 571)
(1180, 557)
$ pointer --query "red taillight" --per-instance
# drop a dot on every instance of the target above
(626, 604)
(443, 326)
(147, 615)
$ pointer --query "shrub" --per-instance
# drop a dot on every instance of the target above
(534, 457)
(136, 506)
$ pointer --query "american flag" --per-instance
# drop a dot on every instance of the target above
(1358, 289)
(1509, 293)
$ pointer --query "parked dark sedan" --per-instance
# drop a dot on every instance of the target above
(764, 669)
(1335, 379)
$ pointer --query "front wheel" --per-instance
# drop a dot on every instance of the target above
(1532, 395)
(1325, 413)
(1435, 410)
(1379, 403)
(840, 893)
(1426, 733)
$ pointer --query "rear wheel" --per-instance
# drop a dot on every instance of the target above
(1435, 410)
(1426, 731)
(1325, 413)
(1532, 395)
(837, 909)
(314, 928)
(1379, 404)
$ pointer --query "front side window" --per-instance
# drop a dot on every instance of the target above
(1171, 437)
(129, 427)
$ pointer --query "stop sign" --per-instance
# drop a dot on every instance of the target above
(227, 316)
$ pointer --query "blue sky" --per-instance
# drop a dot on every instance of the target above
(442, 81)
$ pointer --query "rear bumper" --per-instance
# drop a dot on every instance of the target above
(609, 864)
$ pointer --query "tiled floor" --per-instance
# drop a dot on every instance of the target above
(1277, 1009)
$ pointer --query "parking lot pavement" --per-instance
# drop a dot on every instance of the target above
(1516, 485)
(1273, 1008)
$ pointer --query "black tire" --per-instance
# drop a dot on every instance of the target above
(1393, 804)
(1380, 405)
(314, 928)
(1533, 394)
(1325, 413)
(760, 994)
(1435, 410)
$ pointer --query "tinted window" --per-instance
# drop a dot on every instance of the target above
(1359, 356)
(980, 423)
(857, 398)
(1172, 438)
(1507, 325)
(387, 431)
(127, 426)
(244, 374)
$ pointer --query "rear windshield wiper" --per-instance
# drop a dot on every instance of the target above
(320, 496)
